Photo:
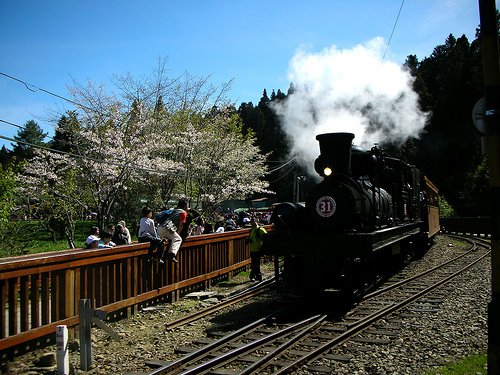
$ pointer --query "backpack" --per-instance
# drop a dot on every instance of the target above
(161, 217)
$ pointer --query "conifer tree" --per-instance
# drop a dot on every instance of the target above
(30, 135)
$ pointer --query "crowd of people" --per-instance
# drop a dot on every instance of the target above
(226, 223)
(169, 228)
(110, 237)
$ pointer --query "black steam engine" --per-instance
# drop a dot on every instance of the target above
(369, 210)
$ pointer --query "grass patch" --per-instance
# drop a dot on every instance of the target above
(45, 246)
(455, 242)
(186, 304)
(472, 365)
(244, 274)
(40, 241)
(241, 278)
(31, 238)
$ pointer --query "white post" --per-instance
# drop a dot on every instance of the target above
(62, 350)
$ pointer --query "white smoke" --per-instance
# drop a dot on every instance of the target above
(350, 91)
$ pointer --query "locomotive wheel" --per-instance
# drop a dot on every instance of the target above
(359, 276)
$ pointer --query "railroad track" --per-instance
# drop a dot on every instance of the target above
(273, 345)
(253, 291)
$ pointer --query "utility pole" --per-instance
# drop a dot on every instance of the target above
(491, 66)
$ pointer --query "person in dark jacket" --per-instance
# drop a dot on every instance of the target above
(147, 233)
(119, 237)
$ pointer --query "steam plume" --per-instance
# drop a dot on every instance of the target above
(349, 91)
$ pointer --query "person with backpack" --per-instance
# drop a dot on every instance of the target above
(255, 238)
(171, 224)
(147, 233)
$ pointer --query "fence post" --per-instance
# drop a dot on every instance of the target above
(230, 262)
(85, 342)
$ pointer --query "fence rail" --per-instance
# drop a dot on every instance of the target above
(476, 226)
(38, 292)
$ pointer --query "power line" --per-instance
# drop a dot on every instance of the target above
(292, 168)
(116, 164)
(11, 124)
(282, 166)
(393, 28)
(120, 164)
(89, 158)
(35, 132)
(34, 88)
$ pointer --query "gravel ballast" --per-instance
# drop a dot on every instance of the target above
(456, 328)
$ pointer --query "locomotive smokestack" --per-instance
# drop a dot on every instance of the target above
(335, 153)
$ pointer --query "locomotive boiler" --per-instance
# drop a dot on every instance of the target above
(369, 211)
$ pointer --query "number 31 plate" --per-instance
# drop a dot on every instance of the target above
(326, 206)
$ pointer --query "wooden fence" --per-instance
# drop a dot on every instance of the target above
(474, 226)
(41, 291)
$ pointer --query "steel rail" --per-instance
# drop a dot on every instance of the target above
(405, 281)
(369, 320)
(352, 330)
(228, 357)
(184, 361)
(250, 292)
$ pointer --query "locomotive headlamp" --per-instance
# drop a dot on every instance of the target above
(327, 171)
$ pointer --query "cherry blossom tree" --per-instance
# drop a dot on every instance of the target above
(158, 140)
(201, 136)
(49, 188)
(220, 163)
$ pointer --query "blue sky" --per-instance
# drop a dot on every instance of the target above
(49, 43)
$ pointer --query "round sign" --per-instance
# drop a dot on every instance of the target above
(479, 115)
(326, 206)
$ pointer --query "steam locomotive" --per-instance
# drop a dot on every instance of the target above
(369, 211)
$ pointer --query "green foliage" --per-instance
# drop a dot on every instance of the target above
(65, 133)
(445, 209)
(477, 189)
(475, 364)
(7, 184)
(12, 238)
(5, 160)
(30, 135)
(449, 82)
(27, 237)
(262, 122)
(10, 232)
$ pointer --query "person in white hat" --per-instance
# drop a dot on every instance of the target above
(92, 241)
